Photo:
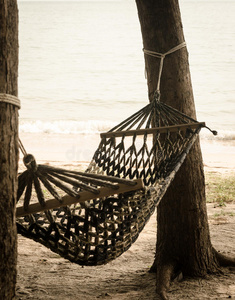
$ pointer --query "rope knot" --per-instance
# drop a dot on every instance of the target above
(30, 162)
(156, 95)
(162, 56)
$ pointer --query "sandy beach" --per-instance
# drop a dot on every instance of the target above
(79, 148)
(43, 274)
(82, 69)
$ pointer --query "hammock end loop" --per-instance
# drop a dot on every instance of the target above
(212, 131)
(30, 162)
(157, 95)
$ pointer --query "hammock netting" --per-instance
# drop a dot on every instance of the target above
(151, 145)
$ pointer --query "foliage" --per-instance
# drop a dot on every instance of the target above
(220, 188)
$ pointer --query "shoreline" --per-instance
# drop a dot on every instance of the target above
(78, 150)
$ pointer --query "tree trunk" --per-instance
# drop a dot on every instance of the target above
(8, 147)
(183, 240)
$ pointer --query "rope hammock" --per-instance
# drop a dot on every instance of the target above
(106, 207)
(95, 216)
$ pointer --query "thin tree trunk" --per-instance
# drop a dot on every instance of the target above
(8, 147)
(183, 240)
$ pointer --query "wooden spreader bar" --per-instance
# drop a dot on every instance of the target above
(164, 129)
(82, 197)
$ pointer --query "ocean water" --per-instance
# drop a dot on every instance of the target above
(82, 67)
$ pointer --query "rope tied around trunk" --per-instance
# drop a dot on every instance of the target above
(7, 98)
(11, 99)
(162, 56)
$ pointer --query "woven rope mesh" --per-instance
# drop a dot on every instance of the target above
(141, 157)
(148, 156)
(92, 235)
(102, 229)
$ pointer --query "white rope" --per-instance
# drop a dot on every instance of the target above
(7, 98)
(162, 56)
(21, 146)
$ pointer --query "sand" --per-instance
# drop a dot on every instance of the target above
(43, 274)
(74, 148)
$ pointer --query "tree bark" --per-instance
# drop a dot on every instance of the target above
(8, 147)
(183, 239)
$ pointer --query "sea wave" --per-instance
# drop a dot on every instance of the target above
(66, 127)
(98, 126)
(222, 135)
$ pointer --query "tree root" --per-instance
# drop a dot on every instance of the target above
(168, 271)
(153, 268)
(165, 273)
(224, 260)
